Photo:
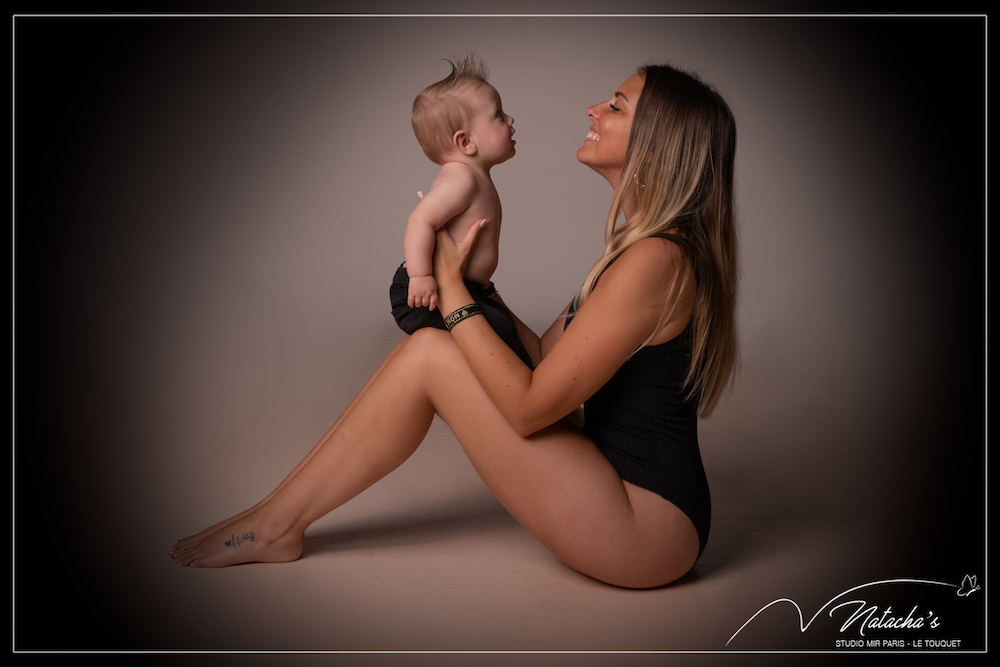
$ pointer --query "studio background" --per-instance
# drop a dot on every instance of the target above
(208, 212)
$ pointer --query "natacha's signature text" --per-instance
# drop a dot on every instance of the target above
(868, 618)
(865, 617)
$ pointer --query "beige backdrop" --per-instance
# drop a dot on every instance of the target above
(208, 214)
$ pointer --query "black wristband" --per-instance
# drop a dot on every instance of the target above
(460, 314)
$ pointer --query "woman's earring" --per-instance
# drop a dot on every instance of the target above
(635, 179)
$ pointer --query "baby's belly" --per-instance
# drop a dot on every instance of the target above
(485, 254)
(481, 269)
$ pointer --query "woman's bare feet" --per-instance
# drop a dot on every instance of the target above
(181, 543)
(250, 538)
(183, 551)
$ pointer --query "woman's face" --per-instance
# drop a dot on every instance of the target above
(604, 148)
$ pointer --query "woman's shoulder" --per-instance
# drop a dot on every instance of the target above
(651, 273)
(660, 247)
(652, 259)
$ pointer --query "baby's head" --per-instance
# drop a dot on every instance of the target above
(443, 108)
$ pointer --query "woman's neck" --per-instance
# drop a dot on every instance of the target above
(630, 206)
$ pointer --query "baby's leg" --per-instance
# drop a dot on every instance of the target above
(179, 544)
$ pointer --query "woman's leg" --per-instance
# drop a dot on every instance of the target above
(322, 441)
(560, 487)
(357, 451)
(556, 482)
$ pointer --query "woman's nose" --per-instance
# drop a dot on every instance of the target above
(592, 113)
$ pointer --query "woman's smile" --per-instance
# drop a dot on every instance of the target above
(611, 123)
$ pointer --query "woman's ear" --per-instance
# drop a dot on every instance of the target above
(464, 143)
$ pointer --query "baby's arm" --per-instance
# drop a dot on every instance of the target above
(451, 193)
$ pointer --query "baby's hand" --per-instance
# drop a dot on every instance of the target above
(423, 292)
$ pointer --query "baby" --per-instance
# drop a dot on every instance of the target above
(460, 125)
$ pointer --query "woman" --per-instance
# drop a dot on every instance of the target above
(648, 343)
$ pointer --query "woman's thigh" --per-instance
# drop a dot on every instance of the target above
(557, 483)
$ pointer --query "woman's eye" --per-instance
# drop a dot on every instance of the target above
(614, 108)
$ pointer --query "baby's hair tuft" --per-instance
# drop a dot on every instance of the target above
(439, 112)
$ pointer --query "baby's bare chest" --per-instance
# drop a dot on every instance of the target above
(485, 206)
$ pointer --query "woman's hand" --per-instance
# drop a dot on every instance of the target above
(450, 258)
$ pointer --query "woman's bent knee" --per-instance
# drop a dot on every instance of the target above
(434, 345)
(430, 336)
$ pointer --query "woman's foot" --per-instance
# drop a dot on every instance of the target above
(181, 543)
(249, 539)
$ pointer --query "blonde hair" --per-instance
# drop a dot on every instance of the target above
(679, 169)
(440, 111)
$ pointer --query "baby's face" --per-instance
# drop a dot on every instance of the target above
(491, 128)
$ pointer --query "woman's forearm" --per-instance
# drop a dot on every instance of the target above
(503, 376)
(553, 333)
(499, 370)
(529, 339)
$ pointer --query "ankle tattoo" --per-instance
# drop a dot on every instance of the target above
(234, 541)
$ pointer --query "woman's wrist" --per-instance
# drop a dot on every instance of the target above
(452, 296)
(460, 314)
(451, 283)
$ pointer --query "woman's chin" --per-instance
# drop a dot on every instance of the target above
(587, 154)
(611, 175)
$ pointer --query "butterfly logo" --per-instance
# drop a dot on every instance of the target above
(968, 587)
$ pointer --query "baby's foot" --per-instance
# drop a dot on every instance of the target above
(248, 540)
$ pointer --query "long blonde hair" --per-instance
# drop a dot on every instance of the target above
(679, 170)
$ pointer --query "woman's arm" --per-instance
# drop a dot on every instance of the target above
(529, 339)
(537, 347)
(554, 332)
(621, 313)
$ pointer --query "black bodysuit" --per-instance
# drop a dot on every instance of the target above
(642, 423)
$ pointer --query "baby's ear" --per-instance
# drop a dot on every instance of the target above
(464, 143)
